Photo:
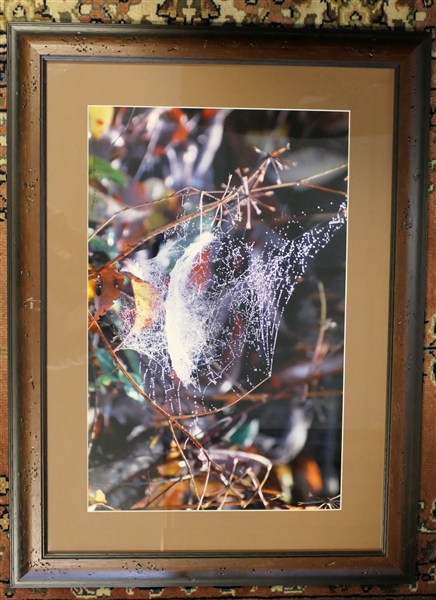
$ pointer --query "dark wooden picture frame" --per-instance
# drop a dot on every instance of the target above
(31, 48)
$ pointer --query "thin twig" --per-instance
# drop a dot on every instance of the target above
(183, 455)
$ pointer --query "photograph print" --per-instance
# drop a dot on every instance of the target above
(217, 260)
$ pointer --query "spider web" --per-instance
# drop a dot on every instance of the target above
(223, 289)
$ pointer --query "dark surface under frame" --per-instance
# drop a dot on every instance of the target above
(30, 48)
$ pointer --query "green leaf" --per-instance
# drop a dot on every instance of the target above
(112, 374)
(128, 387)
(106, 363)
(244, 436)
(103, 381)
(100, 169)
(96, 244)
(133, 359)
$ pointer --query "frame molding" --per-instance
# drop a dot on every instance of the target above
(31, 47)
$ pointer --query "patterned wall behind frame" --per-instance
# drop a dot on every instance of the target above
(377, 14)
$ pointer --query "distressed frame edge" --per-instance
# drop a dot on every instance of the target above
(19, 542)
(393, 571)
(417, 130)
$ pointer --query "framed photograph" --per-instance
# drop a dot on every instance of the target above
(216, 264)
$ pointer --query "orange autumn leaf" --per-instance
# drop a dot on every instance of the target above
(181, 132)
(174, 496)
(314, 475)
(201, 269)
(147, 304)
(209, 113)
(169, 468)
(107, 286)
(157, 492)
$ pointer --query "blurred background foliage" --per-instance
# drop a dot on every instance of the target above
(280, 446)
